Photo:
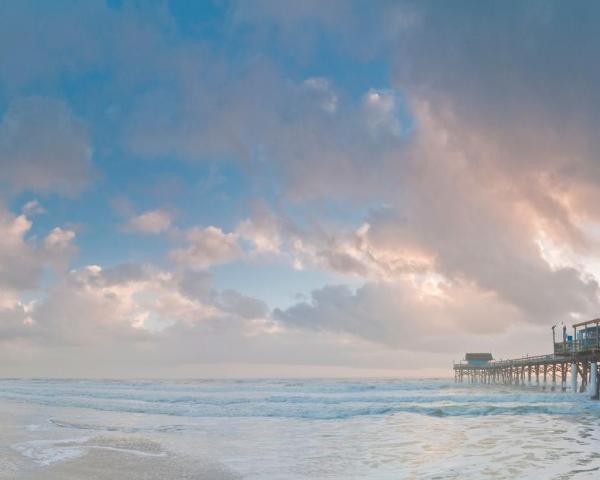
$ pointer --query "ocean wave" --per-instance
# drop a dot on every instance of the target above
(322, 400)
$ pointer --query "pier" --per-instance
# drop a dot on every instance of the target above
(573, 365)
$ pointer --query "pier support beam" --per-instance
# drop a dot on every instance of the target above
(584, 374)
(574, 377)
(593, 379)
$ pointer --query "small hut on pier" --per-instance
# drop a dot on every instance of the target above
(478, 359)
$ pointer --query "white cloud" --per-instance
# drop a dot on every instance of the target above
(205, 247)
(23, 257)
(59, 247)
(131, 296)
(152, 318)
(22, 262)
(151, 222)
(59, 239)
(33, 207)
(263, 230)
(20, 266)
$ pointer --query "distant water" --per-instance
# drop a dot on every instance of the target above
(300, 429)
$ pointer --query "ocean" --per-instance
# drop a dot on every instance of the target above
(293, 429)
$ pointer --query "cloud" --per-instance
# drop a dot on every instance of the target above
(324, 88)
(262, 230)
(152, 317)
(156, 319)
(122, 304)
(528, 119)
(33, 207)
(131, 309)
(245, 307)
(342, 26)
(59, 247)
(44, 148)
(150, 222)
(381, 112)
(206, 246)
(22, 259)
(463, 193)
(20, 265)
(502, 153)
(59, 239)
(417, 314)
(318, 145)
(488, 166)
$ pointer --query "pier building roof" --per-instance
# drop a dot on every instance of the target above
(478, 357)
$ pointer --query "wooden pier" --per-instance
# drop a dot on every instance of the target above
(572, 366)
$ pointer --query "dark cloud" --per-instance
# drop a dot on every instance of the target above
(246, 307)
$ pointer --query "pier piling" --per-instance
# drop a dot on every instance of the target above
(581, 351)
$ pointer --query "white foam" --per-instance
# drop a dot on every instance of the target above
(47, 452)
(139, 453)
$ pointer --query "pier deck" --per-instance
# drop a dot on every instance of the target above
(575, 358)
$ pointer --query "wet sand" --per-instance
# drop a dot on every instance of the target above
(29, 452)
(109, 457)
(104, 461)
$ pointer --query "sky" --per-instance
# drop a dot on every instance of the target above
(295, 189)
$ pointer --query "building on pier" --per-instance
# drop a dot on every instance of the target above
(478, 358)
(575, 357)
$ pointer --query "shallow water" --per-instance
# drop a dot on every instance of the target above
(292, 429)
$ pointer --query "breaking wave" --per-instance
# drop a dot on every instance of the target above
(310, 399)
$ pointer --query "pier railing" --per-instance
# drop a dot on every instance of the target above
(514, 362)
(577, 346)
(561, 350)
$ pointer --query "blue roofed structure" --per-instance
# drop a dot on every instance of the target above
(478, 358)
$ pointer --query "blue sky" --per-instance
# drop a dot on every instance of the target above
(206, 190)
(289, 187)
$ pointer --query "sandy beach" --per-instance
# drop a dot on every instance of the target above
(293, 430)
(32, 451)
(104, 463)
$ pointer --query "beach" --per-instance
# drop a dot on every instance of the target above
(293, 429)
